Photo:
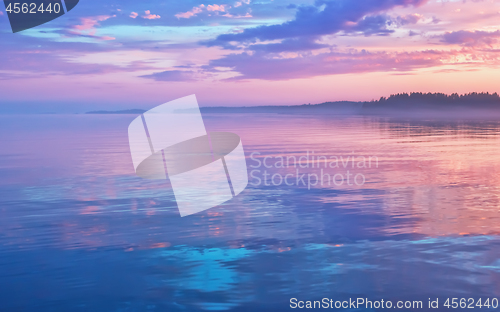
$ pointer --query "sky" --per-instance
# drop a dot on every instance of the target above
(111, 54)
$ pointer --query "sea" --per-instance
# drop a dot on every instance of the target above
(338, 209)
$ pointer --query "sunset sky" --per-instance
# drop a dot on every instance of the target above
(112, 54)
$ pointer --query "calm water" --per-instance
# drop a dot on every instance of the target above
(80, 232)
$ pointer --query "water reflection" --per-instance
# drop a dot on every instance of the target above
(79, 231)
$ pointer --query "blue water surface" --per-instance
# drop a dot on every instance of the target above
(79, 231)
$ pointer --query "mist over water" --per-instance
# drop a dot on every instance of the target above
(79, 231)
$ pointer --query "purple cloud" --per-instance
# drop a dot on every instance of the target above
(171, 75)
(409, 19)
(325, 17)
(289, 45)
(259, 66)
(372, 25)
(471, 38)
(35, 57)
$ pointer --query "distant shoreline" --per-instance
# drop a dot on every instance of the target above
(403, 103)
(127, 111)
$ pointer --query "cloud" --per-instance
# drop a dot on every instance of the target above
(134, 15)
(150, 16)
(44, 58)
(240, 3)
(289, 45)
(171, 75)
(323, 18)
(371, 25)
(216, 7)
(195, 11)
(89, 23)
(258, 65)
(409, 19)
(87, 27)
(471, 38)
(43, 63)
(247, 15)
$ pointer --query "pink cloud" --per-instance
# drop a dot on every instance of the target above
(133, 15)
(195, 11)
(1, 13)
(471, 38)
(237, 16)
(198, 9)
(261, 66)
(150, 16)
(88, 26)
(240, 3)
(88, 23)
(216, 7)
(409, 19)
